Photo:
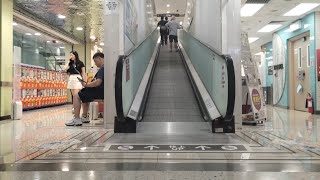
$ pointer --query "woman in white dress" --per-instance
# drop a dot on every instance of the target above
(75, 70)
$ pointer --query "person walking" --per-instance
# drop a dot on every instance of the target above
(75, 70)
(167, 33)
(163, 30)
(173, 27)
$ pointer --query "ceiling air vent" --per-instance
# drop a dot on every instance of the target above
(258, 1)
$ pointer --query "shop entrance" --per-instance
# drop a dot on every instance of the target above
(299, 73)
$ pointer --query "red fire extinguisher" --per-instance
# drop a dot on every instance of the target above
(309, 104)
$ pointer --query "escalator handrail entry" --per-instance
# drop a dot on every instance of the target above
(231, 78)
(118, 80)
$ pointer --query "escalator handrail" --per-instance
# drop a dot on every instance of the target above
(118, 81)
(231, 77)
(137, 46)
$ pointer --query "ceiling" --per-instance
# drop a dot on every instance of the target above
(79, 13)
(176, 7)
(273, 11)
(87, 14)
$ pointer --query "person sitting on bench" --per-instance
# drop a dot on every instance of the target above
(91, 91)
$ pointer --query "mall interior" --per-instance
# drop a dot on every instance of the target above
(238, 96)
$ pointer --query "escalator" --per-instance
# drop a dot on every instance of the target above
(157, 89)
(171, 98)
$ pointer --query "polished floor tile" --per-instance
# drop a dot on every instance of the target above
(43, 148)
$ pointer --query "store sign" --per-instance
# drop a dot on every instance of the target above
(111, 7)
(170, 15)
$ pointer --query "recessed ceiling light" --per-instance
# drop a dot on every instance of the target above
(48, 41)
(301, 9)
(252, 39)
(250, 9)
(37, 34)
(168, 5)
(102, 44)
(28, 34)
(14, 24)
(92, 37)
(188, 4)
(270, 28)
(79, 28)
(60, 16)
(168, 11)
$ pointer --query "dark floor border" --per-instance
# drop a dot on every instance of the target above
(239, 167)
(5, 118)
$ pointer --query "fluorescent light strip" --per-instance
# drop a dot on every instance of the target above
(250, 9)
(301, 9)
(270, 28)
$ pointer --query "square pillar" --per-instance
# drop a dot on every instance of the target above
(6, 58)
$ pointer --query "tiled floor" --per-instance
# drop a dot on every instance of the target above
(40, 147)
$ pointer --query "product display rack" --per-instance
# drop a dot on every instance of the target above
(42, 88)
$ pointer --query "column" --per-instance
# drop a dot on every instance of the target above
(6, 58)
(113, 47)
(231, 45)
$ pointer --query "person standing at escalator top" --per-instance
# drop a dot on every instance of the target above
(75, 70)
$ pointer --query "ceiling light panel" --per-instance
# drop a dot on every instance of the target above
(270, 28)
(250, 9)
(301, 9)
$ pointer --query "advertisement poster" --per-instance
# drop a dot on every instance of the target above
(253, 80)
(258, 104)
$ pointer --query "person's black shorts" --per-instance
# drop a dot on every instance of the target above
(173, 38)
(90, 94)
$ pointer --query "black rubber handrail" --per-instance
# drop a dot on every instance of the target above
(118, 89)
(231, 78)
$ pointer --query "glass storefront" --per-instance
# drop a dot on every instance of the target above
(38, 49)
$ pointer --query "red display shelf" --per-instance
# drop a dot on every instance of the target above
(42, 88)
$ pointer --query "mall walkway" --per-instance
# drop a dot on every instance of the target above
(41, 141)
